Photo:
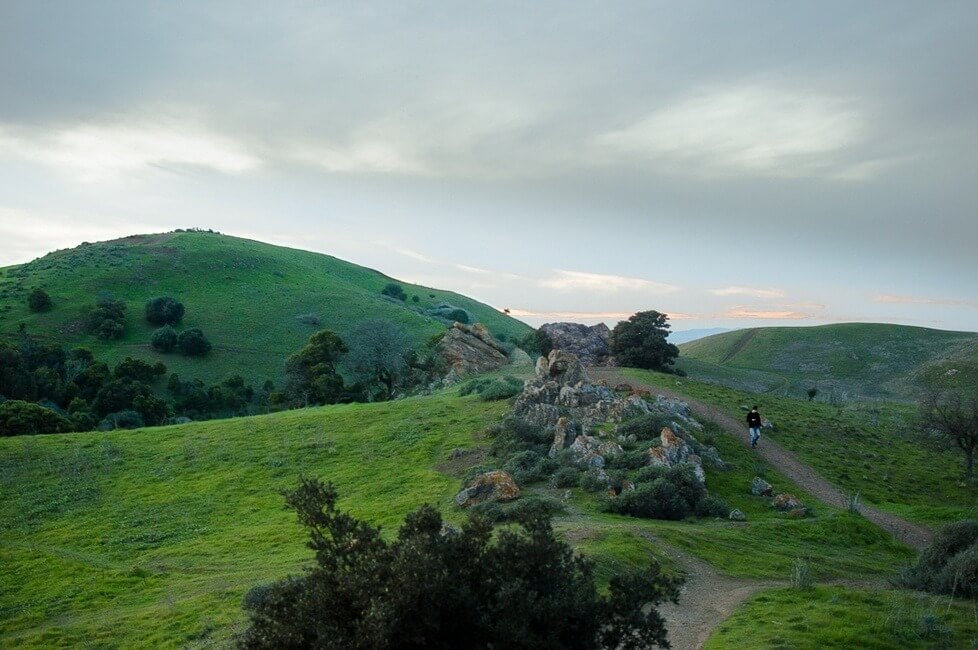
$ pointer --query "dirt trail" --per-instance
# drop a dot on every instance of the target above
(785, 462)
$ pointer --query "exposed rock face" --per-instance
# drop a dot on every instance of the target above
(676, 451)
(491, 486)
(591, 451)
(592, 345)
(786, 502)
(561, 367)
(761, 488)
(470, 349)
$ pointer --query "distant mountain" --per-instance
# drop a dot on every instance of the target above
(850, 360)
(685, 336)
(256, 302)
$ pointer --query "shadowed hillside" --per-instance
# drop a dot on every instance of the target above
(850, 360)
(257, 303)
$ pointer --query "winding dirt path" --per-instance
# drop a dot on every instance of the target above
(788, 464)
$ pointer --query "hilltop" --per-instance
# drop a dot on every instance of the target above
(849, 360)
(257, 303)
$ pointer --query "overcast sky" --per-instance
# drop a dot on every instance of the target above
(731, 164)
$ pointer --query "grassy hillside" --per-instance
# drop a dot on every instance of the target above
(851, 360)
(872, 449)
(151, 537)
(244, 294)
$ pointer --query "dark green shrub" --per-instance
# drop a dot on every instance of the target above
(38, 301)
(108, 320)
(529, 467)
(164, 310)
(634, 459)
(121, 420)
(712, 506)
(164, 339)
(640, 341)
(193, 343)
(19, 418)
(662, 493)
(394, 290)
(138, 370)
(593, 481)
(492, 389)
(517, 587)
(459, 316)
(644, 427)
(566, 477)
(949, 564)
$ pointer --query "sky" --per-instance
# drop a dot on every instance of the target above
(730, 164)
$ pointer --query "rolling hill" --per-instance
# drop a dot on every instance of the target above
(844, 361)
(245, 295)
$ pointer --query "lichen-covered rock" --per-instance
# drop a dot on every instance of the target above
(491, 486)
(470, 349)
(563, 368)
(737, 515)
(761, 488)
(563, 432)
(786, 502)
(675, 451)
(592, 345)
(591, 451)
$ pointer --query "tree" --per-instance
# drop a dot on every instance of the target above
(108, 319)
(395, 291)
(812, 393)
(640, 342)
(138, 370)
(193, 343)
(436, 587)
(39, 301)
(949, 409)
(164, 339)
(19, 418)
(377, 353)
(311, 372)
(164, 310)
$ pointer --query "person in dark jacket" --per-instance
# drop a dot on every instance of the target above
(754, 425)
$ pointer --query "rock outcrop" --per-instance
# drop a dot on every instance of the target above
(674, 451)
(491, 486)
(761, 488)
(592, 345)
(789, 503)
(469, 350)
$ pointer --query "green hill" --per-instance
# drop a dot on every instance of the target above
(845, 361)
(245, 295)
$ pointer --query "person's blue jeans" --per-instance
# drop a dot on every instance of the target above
(755, 434)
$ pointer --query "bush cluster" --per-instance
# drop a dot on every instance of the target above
(164, 310)
(108, 319)
(394, 290)
(950, 564)
(38, 301)
(490, 389)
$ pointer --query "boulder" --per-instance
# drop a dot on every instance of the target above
(592, 345)
(563, 431)
(761, 488)
(675, 451)
(563, 368)
(591, 451)
(737, 515)
(786, 502)
(491, 486)
(519, 357)
(470, 350)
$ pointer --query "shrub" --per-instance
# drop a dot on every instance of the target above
(801, 575)
(492, 389)
(108, 320)
(164, 339)
(39, 301)
(164, 310)
(395, 291)
(18, 417)
(193, 343)
(138, 370)
(121, 420)
(664, 493)
(529, 467)
(594, 481)
(644, 427)
(458, 315)
(503, 590)
(950, 564)
(712, 506)
(566, 477)
(525, 507)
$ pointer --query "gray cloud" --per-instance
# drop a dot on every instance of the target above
(816, 148)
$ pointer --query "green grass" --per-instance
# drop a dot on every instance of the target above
(151, 537)
(835, 617)
(244, 294)
(844, 361)
(867, 448)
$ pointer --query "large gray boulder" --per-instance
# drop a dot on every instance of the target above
(592, 345)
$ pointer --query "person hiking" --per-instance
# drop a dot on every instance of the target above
(754, 425)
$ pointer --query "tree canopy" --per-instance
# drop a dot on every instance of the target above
(640, 342)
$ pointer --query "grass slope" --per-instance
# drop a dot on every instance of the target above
(869, 449)
(244, 294)
(834, 617)
(151, 537)
(845, 360)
